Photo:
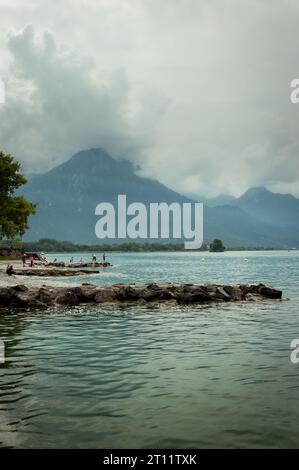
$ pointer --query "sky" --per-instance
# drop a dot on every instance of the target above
(196, 92)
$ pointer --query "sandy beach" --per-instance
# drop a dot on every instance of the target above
(13, 280)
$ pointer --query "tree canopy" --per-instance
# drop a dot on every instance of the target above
(217, 245)
(14, 210)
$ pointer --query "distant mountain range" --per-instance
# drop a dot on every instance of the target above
(68, 194)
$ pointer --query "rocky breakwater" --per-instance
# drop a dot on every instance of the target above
(24, 298)
(52, 272)
(61, 264)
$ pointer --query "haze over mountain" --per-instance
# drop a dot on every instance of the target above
(68, 194)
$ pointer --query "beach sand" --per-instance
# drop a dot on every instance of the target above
(28, 281)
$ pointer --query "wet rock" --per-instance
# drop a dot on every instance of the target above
(222, 294)
(45, 296)
(53, 272)
(104, 295)
(68, 298)
(194, 294)
(151, 293)
(6, 295)
(35, 297)
(269, 292)
(235, 292)
(21, 288)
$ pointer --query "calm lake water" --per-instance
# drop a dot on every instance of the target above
(158, 376)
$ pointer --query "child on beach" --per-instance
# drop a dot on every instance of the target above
(10, 270)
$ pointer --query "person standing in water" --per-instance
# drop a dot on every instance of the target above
(104, 257)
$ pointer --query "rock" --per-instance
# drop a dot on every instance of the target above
(21, 299)
(235, 292)
(68, 298)
(45, 296)
(193, 294)
(21, 288)
(222, 294)
(129, 293)
(269, 292)
(50, 272)
(6, 295)
(151, 293)
(104, 295)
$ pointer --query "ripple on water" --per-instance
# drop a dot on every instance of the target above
(157, 376)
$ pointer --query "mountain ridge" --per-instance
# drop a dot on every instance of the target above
(68, 194)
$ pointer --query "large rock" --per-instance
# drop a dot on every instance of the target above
(105, 295)
(235, 292)
(269, 292)
(68, 298)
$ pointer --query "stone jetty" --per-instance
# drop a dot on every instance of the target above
(61, 264)
(26, 298)
(54, 272)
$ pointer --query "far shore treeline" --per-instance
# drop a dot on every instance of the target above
(49, 245)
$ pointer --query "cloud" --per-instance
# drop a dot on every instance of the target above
(58, 103)
(197, 92)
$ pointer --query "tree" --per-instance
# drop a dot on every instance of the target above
(14, 210)
(217, 246)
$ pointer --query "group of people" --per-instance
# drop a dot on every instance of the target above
(10, 269)
(94, 258)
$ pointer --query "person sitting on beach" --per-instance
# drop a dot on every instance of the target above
(24, 260)
(10, 270)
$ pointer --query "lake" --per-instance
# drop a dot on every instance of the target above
(158, 376)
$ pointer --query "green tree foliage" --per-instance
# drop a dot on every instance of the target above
(14, 210)
(50, 245)
(217, 246)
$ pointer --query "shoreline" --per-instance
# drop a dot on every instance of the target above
(50, 270)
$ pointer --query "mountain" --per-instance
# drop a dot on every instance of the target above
(68, 194)
(271, 208)
(221, 200)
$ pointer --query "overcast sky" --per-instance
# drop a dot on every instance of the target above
(195, 91)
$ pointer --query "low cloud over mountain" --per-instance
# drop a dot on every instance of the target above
(198, 93)
(68, 195)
